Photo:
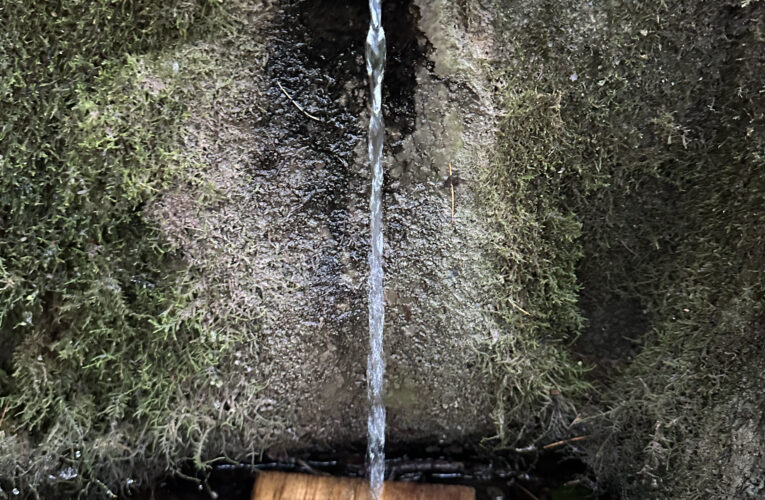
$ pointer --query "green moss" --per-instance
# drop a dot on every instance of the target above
(102, 339)
(659, 143)
(630, 164)
(676, 230)
(536, 379)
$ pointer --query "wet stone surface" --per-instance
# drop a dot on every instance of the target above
(292, 229)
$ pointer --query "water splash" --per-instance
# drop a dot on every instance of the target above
(375, 54)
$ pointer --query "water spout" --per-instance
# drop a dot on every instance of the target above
(375, 55)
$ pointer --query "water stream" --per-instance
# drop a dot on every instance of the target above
(375, 56)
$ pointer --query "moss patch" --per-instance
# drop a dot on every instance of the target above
(658, 146)
(106, 353)
(536, 379)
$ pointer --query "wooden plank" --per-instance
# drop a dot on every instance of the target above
(290, 486)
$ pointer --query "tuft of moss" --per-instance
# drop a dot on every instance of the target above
(536, 379)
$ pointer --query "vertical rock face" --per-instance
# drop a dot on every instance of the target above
(290, 235)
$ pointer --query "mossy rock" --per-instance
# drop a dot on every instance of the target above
(659, 152)
(178, 287)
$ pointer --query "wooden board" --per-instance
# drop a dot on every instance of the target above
(290, 486)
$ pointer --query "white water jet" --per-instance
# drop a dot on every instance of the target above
(375, 55)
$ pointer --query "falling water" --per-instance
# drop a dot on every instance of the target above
(375, 52)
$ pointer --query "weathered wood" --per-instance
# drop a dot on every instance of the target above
(289, 486)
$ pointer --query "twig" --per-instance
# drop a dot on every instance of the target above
(451, 182)
(2, 417)
(512, 303)
(187, 477)
(523, 489)
(427, 465)
(298, 106)
(310, 469)
(565, 441)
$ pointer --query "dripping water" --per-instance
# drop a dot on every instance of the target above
(375, 56)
